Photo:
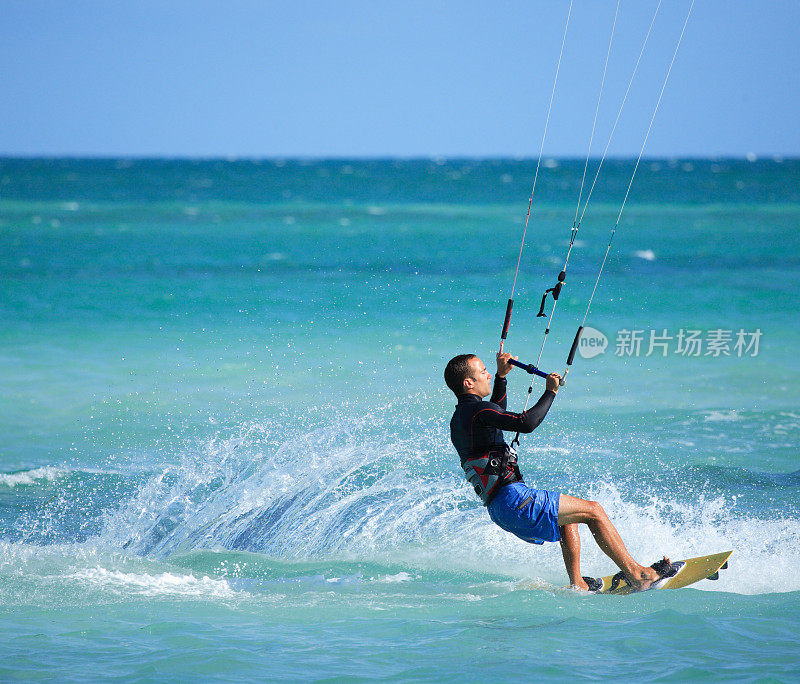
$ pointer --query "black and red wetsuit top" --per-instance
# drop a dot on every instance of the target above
(477, 425)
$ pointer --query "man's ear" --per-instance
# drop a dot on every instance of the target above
(469, 383)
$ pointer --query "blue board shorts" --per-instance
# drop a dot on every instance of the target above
(530, 514)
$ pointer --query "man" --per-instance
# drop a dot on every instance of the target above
(536, 516)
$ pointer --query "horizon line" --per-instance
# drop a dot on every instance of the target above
(436, 158)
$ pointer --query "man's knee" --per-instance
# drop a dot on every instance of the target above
(594, 511)
(589, 511)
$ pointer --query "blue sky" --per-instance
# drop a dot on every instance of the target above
(366, 78)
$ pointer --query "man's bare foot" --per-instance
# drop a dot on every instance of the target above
(643, 577)
(580, 584)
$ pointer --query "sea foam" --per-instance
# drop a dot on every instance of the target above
(339, 492)
(160, 584)
(29, 477)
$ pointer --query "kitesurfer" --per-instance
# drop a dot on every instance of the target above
(533, 515)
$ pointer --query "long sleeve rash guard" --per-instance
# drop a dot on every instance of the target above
(477, 426)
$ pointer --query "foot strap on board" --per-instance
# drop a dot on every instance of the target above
(666, 569)
(615, 580)
(663, 567)
(595, 583)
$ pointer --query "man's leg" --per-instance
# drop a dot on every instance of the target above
(572, 510)
(571, 550)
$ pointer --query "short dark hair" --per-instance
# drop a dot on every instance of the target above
(457, 371)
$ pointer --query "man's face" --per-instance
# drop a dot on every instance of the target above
(480, 380)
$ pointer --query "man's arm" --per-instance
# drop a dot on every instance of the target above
(504, 367)
(499, 395)
(517, 422)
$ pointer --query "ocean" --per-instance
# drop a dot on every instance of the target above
(225, 450)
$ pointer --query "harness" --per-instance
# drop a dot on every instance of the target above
(491, 471)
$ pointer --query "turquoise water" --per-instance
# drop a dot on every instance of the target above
(225, 448)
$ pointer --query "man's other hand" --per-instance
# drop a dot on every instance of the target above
(553, 382)
(503, 365)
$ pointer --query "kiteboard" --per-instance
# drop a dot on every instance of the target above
(687, 572)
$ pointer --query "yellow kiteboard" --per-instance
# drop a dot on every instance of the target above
(688, 572)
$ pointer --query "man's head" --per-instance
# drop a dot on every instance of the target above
(466, 374)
